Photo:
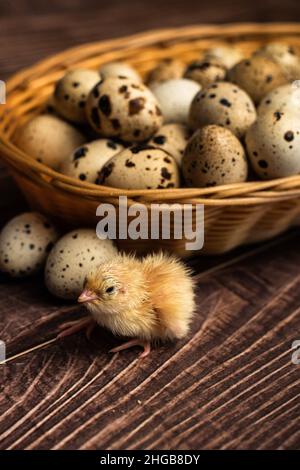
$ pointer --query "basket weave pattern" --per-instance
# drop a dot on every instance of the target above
(234, 214)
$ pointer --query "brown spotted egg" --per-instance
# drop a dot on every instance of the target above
(214, 156)
(71, 92)
(141, 167)
(123, 108)
(205, 72)
(87, 160)
(285, 55)
(224, 104)
(72, 258)
(116, 69)
(167, 69)
(285, 97)
(172, 138)
(48, 139)
(25, 242)
(225, 55)
(273, 143)
(257, 76)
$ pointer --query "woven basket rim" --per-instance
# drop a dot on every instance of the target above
(258, 192)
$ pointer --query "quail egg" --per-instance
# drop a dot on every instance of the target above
(285, 55)
(273, 143)
(167, 69)
(123, 108)
(214, 156)
(175, 97)
(71, 92)
(116, 69)
(224, 104)
(225, 55)
(48, 139)
(141, 167)
(283, 97)
(173, 139)
(205, 72)
(72, 258)
(257, 76)
(87, 160)
(25, 242)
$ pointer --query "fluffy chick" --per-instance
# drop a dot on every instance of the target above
(148, 299)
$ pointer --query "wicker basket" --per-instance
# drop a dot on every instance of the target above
(234, 214)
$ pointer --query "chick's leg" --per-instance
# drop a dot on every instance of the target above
(134, 342)
(72, 327)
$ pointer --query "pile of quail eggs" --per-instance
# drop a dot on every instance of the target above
(30, 244)
(199, 124)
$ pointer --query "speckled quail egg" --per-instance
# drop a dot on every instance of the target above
(214, 156)
(25, 242)
(173, 139)
(283, 97)
(122, 69)
(123, 108)
(273, 143)
(71, 92)
(167, 69)
(225, 55)
(86, 161)
(285, 55)
(223, 104)
(257, 76)
(72, 258)
(205, 72)
(48, 139)
(141, 167)
(175, 97)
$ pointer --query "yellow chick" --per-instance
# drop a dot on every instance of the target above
(148, 299)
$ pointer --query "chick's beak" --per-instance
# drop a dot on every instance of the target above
(87, 296)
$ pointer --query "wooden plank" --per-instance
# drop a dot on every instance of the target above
(232, 384)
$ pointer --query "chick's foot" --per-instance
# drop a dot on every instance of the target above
(71, 327)
(134, 342)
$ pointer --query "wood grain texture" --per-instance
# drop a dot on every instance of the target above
(231, 384)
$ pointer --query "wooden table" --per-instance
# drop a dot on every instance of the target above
(232, 383)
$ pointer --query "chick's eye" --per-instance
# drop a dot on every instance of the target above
(110, 290)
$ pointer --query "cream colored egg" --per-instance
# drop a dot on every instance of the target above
(257, 76)
(285, 55)
(87, 160)
(273, 144)
(116, 69)
(167, 69)
(285, 97)
(175, 97)
(25, 242)
(224, 104)
(225, 55)
(123, 108)
(141, 167)
(71, 92)
(214, 156)
(72, 258)
(48, 139)
(205, 72)
(173, 139)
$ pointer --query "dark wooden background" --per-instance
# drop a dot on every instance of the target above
(231, 384)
